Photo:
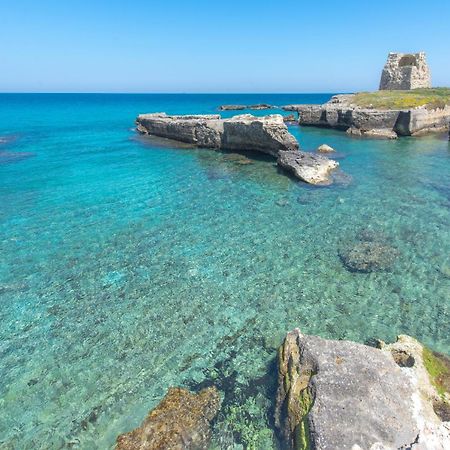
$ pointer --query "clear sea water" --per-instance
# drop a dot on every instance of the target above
(129, 265)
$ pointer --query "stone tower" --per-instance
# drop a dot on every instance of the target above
(404, 71)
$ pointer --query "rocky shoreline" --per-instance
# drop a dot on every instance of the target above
(267, 134)
(331, 395)
(343, 114)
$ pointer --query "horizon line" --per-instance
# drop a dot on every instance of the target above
(166, 93)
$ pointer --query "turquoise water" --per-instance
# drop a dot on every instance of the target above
(128, 266)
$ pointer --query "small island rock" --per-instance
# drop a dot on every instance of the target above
(308, 167)
(324, 148)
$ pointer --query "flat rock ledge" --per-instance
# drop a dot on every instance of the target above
(348, 396)
(259, 106)
(181, 421)
(342, 114)
(308, 167)
(268, 134)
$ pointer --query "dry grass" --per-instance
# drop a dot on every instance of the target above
(430, 98)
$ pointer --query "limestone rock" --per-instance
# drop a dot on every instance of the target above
(347, 396)
(308, 167)
(340, 113)
(375, 133)
(430, 407)
(267, 134)
(324, 148)
(181, 421)
(258, 106)
(290, 118)
(404, 71)
(231, 107)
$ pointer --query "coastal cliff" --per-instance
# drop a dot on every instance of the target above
(349, 112)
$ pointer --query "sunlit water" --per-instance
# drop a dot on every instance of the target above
(128, 266)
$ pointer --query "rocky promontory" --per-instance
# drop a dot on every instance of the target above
(384, 118)
(268, 134)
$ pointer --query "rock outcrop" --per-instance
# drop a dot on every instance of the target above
(348, 396)
(324, 148)
(290, 118)
(342, 114)
(181, 421)
(404, 71)
(259, 106)
(308, 167)
(266, 134)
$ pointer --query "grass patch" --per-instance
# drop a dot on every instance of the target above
(432, 98)
(438, 367)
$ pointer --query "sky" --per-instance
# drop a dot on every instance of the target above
(214, 46)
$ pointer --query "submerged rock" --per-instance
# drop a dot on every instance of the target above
(267, 134)
(238, 159)
(12, 157)
(308, 167)
(368, 256)
(344, 395)
(181, 421)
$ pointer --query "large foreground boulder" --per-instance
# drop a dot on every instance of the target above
(308, 167)
(348, 396)
(181, 421)
(267, 134)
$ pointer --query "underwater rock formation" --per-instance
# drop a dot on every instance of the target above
(344, 395)
(267, 134)
(368, 256)
(181, 421)
(308, 167)
(12, 157)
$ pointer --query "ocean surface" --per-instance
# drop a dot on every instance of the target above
(129, 265)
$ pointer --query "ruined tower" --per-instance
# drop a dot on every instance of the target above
(404, 71)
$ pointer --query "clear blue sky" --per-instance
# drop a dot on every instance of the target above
(212, 46)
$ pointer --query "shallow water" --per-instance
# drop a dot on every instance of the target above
(128, 266)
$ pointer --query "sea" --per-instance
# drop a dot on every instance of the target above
(130, 264)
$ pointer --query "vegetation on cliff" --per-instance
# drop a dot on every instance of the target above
(432, 98)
